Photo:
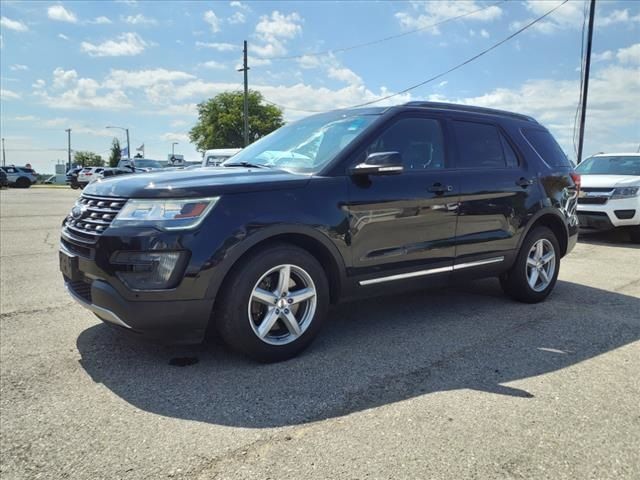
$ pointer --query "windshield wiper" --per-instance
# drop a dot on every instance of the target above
(246, 164)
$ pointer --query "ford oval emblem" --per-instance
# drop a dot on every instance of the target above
(78, 211)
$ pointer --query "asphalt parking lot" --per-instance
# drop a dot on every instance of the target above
(457, 383)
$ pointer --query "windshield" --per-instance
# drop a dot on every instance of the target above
(611, 165)
(305, 146)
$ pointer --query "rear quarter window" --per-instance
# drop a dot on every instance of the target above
(546, 147)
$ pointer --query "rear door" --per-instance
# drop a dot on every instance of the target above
(495, 192)
(403, 226)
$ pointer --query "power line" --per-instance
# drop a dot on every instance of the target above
(384, 39)
(440, 75)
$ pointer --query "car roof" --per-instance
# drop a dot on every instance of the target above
(623, 154)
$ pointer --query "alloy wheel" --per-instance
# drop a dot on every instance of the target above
(282, 304)
(541, 265)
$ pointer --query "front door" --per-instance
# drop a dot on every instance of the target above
(403, 226)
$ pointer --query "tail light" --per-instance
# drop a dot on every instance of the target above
(576, 179)
(89, 174)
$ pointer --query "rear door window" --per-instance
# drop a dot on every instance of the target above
(479, 145)
(546, 147)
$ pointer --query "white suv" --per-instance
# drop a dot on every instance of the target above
(610, 192)
(87, 174)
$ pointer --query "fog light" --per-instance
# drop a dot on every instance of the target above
(149, 270)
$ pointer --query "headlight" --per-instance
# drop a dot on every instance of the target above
(166, 214)
(625, 192)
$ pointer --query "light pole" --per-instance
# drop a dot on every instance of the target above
(173, 146)
(4, 158)
(68, 130)
(128, 144)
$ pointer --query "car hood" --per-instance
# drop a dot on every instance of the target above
(195, 183)
(601, 181)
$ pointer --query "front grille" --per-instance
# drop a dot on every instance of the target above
(597, 189)
(93, 217)
(82, 289)
(592, 200)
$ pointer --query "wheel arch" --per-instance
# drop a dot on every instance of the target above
(315, 243)
(553, 221)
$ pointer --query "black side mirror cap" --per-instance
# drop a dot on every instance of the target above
(380, 163)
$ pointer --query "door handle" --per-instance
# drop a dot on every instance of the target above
(524, 182)
(439, 188)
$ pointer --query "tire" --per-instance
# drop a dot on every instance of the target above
(517, 282)
(23, 182)
(634, 233)
(75, 186)
(238, 314)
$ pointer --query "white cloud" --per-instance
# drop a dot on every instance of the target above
(630, 55)
(484, 33)
(127, 44)
(61, 14)
(56, 122)
(25, 118)
(212, 64)
(16, 25)
(309, 61)
(8, 94)
(63, 78)
(38, 84)
(101, 20)
(220, 47)
(617, 16)
(605, 56)
(212, 19)
(121, 79)
(275, 31)
(63, 36)
(139, 19)
(426, 14)
(236, 18)
(240, 5)
(18, 67)
(175, 137)
(344, 75)
(570, 15)
(178, 123)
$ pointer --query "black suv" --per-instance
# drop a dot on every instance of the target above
(339, 205)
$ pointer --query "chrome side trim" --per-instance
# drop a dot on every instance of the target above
(401, 276)
(103, 313)
(478, 263)
(421, 273)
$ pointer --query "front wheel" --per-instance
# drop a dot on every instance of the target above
(634, 233)
(273, 304)
(23, 182)
(535, 271)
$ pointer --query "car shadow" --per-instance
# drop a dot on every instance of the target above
(619, 237)
(371, 353)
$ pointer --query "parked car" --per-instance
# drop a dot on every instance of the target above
(116, 171)
(87, 174)
(610, 194)
(4, 181)
(215, 157)
(50, 180)
(146, 164)
(72, 177)
(382, 200)
(20, 177)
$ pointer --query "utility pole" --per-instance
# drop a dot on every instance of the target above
(4, 156)
(68, 130)
(128, 145)
(173, 148)
(245, 69)
(585, 83)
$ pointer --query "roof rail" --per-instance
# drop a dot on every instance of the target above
(470, 108)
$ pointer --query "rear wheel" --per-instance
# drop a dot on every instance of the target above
(535, 271)
(273, 304)
(23, 182)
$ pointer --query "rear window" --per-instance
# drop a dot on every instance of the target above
(546, 147)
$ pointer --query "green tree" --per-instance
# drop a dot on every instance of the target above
(220, 122)
(88, 159)
(115, 154)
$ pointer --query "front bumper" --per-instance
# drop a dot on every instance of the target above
(174, 322)
(614, 213)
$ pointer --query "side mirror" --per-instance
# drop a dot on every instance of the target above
(380, 163)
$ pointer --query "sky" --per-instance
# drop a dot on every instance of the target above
(145, 65)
